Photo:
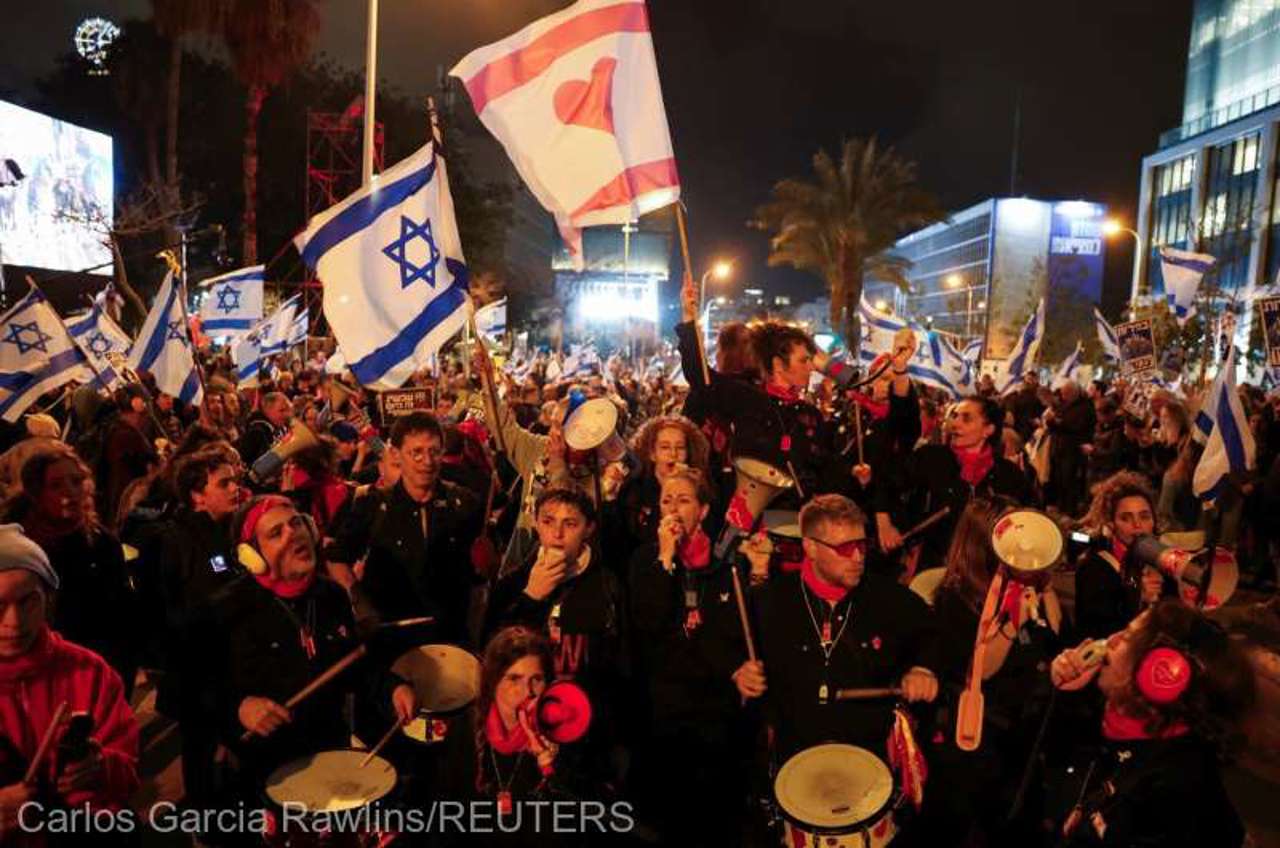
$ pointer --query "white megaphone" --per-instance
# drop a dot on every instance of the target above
(299, 438)
(1027, 542)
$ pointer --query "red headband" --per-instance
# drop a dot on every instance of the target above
(251, 518)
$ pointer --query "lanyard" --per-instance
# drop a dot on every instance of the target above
(826, 643)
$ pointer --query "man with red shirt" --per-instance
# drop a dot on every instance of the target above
(38, 672)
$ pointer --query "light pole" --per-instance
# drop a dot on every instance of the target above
(1112, 227)
(720, 270)
(370, 92)
(954, 281)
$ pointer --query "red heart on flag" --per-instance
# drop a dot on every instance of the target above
(589, 104)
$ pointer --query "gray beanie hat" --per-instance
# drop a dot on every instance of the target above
(18, 551)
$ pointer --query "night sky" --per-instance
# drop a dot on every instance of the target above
(754, 87)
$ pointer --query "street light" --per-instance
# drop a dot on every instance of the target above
(882, 306)
(1112, 227)
(955, 281)
(721, 269)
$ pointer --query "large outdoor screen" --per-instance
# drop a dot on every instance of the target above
(56, 187)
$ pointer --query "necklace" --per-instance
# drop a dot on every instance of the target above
(826, 643)
(504, 787)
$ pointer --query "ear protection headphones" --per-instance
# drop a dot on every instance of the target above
(1167, 670)
(246, 521)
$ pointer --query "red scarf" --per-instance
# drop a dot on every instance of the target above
(1119, 550)
(695, 550)
(504, 741)
(790, 394)
(827, 591)
(877, 409)
(34, 662)
(1119, 727)
(974, 464)
(288, 589)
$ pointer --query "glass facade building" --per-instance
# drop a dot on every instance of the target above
(1212, 185)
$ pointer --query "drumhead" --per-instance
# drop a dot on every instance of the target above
(445, 678)
(330, 781)
(782, 522)
(590, 424)
(834, 788)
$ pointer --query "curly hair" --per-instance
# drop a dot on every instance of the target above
(1108, 494)
(507, 647)
(698, 449)
(1223, 687)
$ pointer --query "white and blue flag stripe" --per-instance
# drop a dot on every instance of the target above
(164, 347)
(1023, 357)
(100, 338)
(936, 362)
(1182, 271)
(394, 275)
(1106, 337)
(233, 302)
(1230, 447)
(37, 355)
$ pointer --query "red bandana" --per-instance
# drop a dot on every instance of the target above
(827, 591)
(504, 741)
(877, 409)
(695, 551)
(1119, 550)
(1119, 727)
(974, 464)
(285, 588)
(790, 394)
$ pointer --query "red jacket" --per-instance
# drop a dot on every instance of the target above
(32, 686)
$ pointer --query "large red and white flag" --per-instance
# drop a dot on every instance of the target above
(575, 100)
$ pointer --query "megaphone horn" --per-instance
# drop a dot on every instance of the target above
(759, 483)
(299, 438)
(1190, 569)
(563, 713)
(1027, 541)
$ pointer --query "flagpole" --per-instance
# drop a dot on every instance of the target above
(370, 92)
(180, 271)
(688, 276)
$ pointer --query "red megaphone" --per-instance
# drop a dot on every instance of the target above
(563, 713)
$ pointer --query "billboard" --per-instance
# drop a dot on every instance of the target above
(54, 215)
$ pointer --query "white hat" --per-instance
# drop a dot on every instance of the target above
(17, 550)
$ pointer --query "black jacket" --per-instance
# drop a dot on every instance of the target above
(889, 630)
(930, 479)
(685, 656)
(1103, 603)
(408, 573)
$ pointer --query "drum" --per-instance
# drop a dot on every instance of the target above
(323, 783)
(783, 528)
(446, 679)
(836, 795)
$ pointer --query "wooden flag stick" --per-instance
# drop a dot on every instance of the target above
(683, 227)
(857, 428)
(486, 377)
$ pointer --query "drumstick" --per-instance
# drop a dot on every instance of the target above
(910, 536)
(45, 742)
(742, 614)
(867, 694)
(857, 428)
(310, 689)
(381, 743)
(409, 622)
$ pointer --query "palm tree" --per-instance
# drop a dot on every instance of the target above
(267, 39)
(841, 226)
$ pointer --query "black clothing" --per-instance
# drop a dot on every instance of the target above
(417, 556)
(263, 651)
(1167, 793)
(930, 479)
(1072, 428)
(1104, 604)
(789, 435)
(887, 629)
(1026, 408)
(259, 435)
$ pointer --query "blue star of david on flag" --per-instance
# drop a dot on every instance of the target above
(99, 345)
(175, 332)
(228, 299)
(397, 252)
(15, 337)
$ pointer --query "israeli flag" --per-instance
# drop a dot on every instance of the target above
(395, 280)
(233, 302)
(1229, 447)
(1067, 370)
(1023, 358)
(336, 365)
(37, 355)
(272, 335)
(972, 352)
(101, 339)
(1106, 337)
(491, 321)
(164, 347)
(936, 362)
(1182, 272)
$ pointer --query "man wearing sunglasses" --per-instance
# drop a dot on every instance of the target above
(834, 626)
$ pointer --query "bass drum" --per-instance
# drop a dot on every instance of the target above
(446, 680)
(836, 796)
(328, 782)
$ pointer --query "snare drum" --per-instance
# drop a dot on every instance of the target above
(328, 782)
(783, 528)
(836, 795)
(446, 680)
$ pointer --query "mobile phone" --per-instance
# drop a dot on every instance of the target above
(218, 563)
(1082, 538)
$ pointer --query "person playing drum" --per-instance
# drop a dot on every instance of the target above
(283, 625)
(832, 627)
